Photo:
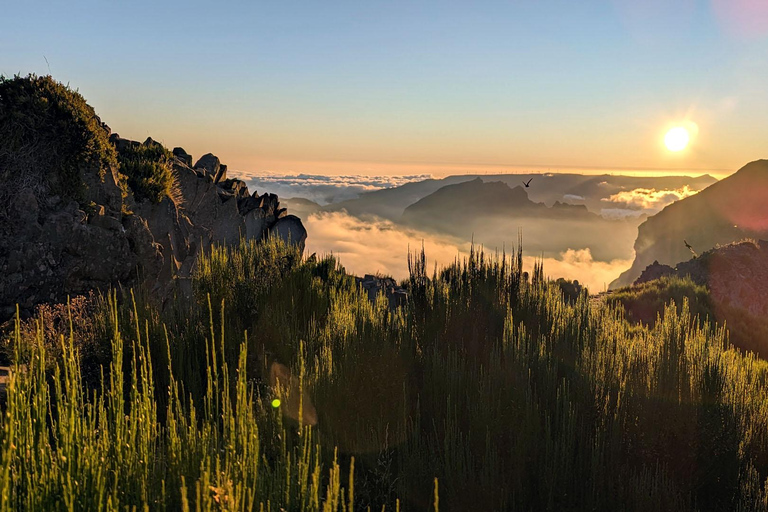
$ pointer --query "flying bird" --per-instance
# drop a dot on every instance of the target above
(690, 248)
(527, 185)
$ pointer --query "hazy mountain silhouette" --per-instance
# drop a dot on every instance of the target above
(452, 207)
(589, 190)
(732, 209)
(491, 212)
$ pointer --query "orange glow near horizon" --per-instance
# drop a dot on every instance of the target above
(439, 170)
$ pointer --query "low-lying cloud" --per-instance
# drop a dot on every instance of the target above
(579, 265)
(648, 199)
(366, 247)
(326, 189)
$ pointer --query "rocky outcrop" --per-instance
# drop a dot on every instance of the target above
(374, 285)
(290, 228)
(654, 271)
(183, 156)
(732, 209)
(736, 279)
(735, 274)
(211, 165)
(53, 248)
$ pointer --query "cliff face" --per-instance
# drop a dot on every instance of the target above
(732, 209)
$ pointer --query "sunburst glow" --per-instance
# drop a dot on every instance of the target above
(677, 139)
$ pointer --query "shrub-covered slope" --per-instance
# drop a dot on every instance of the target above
(483, 392)
(728, 284)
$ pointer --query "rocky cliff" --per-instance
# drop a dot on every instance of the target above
(91, 219)
(730, 210)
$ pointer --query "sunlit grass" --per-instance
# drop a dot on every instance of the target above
(486, 391)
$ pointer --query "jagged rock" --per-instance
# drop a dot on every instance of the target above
(375, 285)
(255, 224)
(152, 142)
(54, 249)
(247, 204)
(238, 187)
(183, 156)
(210, 164)
(654, 271)
(221, 175)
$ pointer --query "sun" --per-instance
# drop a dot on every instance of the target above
(677, 139)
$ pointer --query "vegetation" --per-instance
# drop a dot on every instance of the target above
(148, 170)
(46, 126)
(484, 392)
(52, 142)
(647, 301)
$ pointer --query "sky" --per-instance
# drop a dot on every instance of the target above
(414, 87)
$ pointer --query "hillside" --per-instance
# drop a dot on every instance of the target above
(728, 284)
(732, 209)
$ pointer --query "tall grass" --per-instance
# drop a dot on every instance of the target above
(495, 390)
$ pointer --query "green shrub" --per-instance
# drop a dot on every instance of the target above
(148, 170)
(49, 139)
(507, 393)
(645, 302)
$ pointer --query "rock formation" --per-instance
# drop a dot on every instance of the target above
(374, 285)
(735, 274)
(52, 248)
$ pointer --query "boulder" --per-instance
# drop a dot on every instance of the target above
(183, 156)
(210, 164)
(291, 230)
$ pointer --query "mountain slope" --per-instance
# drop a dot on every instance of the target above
(732, 209)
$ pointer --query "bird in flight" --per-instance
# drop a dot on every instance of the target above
(528, 184)
(689, 247)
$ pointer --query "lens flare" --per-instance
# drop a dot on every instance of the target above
(276, 403)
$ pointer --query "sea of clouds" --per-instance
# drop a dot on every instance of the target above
(326, 189)
(377, 245)
(641, 201)
(370, 246)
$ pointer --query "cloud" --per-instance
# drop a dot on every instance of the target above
(367, 247)
(573, 197)
(370, 246)
(325, 189)
(579, 265)
(648, 199)
(621, 213)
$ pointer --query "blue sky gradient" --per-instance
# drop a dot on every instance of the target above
(403, 86)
